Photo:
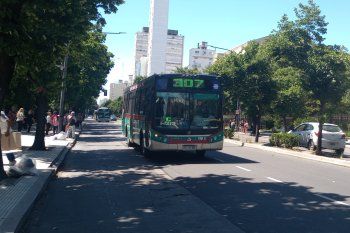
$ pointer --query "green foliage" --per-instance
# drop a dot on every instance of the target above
(116, 106)
(138, 79)
(229, 133)
(89, 64)
(284, 140)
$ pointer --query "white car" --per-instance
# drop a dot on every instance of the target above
(332, 136)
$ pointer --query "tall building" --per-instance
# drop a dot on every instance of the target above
(174, 51)
(117, 89)
(141, 48)
(173, 57)
(201, 57)
(157, 40)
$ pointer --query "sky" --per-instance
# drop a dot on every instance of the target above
(221, 23)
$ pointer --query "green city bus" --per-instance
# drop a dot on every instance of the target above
(174, 112)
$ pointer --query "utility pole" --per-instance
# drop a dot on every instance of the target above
(63, 89)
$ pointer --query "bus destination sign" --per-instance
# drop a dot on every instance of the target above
(187, 83)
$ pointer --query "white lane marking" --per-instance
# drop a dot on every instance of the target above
(330, 199)
(245, 169)
(273, 179)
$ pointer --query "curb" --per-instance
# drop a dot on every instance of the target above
(18, 216)
(22, 210)
(297, 154)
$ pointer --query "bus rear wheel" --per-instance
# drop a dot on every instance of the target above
(200, 153)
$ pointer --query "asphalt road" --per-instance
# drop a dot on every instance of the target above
(106, 187)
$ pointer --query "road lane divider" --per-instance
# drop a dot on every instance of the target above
(242, 168)
(332, 200)
(273, 179)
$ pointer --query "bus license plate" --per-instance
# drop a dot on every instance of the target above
(189, 147)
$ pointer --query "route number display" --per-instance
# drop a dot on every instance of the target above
(188, 83)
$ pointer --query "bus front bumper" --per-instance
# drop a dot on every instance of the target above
(159, 146)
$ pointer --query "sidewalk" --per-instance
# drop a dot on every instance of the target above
(17, 196)
(248, 141)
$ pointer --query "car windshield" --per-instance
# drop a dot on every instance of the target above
(103, 112)
(187, 111)
(331, 128)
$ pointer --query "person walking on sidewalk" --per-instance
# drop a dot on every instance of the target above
(5, 131)
(54, 121)
(30, 120)
(48, 123)
(20, 119)
(71, 125)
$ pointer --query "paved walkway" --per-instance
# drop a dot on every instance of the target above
(18, 195)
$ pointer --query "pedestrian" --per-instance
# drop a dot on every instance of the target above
(20, 119)
(48, 123)
(5, 130)
(65, 123)
(30, 120)
(71, 119)
(245, 126)
(54, 122)
(232, 124)
(79, 121)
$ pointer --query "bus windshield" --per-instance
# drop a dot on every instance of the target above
(103, 113)
(186, 111)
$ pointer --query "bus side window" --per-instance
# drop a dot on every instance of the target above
(142, 103)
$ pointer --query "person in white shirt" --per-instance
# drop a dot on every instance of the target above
(5, 131)
(4, 125)
(20, 119)
(48, 122)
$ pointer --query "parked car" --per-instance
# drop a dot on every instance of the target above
(332, 136)
(113, 117)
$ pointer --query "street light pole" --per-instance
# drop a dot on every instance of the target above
(63, 89)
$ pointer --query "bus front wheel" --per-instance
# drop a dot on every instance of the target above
(144, 151)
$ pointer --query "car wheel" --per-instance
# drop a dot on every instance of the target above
(311, 145)
(339, 152)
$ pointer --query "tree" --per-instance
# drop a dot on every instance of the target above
(34, 35)
(138, 79)
(325, 70)
(230, 70)
(326, 79)
(247, 78)
(287, 49)
(90, 63)
(259, 87)
(116, 106)
(291, 97)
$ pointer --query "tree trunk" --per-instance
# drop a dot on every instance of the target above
(7, 68)
(320, 129)
(42, 106)
(257, 128)
(284, 118)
